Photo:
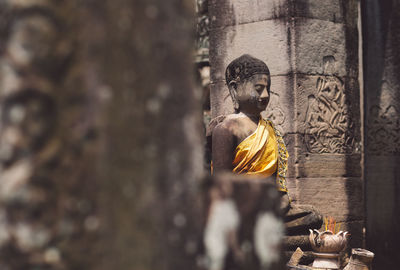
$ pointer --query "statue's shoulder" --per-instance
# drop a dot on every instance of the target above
(225, 122)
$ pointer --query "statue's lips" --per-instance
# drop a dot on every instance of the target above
(262, 103)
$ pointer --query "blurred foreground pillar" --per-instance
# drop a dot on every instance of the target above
(381, 43)
(100, 151)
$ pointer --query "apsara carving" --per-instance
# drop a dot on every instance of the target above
(383, 130)
(275, 113)
(329, 127)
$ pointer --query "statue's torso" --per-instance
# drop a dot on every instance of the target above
(256, 148)
(240, 127)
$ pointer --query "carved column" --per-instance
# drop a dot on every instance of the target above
(311, 48)
(381, 38)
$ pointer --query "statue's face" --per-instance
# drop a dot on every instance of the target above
(252, 95)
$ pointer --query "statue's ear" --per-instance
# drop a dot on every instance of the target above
(233, 92)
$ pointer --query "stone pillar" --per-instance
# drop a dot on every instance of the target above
(311, 48)
(381, 39)
(100, 149)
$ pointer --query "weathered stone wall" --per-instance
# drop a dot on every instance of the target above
(311, 48)
(381, 39)
(100, 150)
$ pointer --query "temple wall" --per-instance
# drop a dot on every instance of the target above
(311, 49)
(381, 39)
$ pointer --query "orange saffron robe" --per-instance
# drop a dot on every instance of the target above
(263, 153)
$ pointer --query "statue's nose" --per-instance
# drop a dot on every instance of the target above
(264, 94)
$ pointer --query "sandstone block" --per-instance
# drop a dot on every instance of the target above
(290, 141)
(327, 165)
(341, 198)
(303, 164)
(327, 10)
(266, 40)
(231, 12)
(292, 187)
(220, 99)
(318, 43)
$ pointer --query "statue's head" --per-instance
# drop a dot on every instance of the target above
(249, 82)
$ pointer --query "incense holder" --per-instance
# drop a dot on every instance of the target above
(327, 246)
(327, 241)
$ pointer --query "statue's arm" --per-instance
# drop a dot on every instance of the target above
(223, 147)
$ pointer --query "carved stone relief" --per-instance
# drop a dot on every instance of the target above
(202, 32)
(329, 127)
(383, 130)
(274, 112)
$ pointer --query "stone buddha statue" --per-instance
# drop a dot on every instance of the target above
(245, 143)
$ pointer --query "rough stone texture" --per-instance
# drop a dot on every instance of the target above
(266, 40)
(381, 39)
(316, 39)
(327, 10)
(309, 39)
(220, 99)
(316, 165)
(100, 150)
(291, 185)
(341, 198)
(291, 142)
(234, 12)
(305, 164)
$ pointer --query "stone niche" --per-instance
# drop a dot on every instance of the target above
(311, 49)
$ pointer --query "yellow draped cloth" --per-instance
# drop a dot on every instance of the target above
(263, 153)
